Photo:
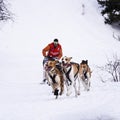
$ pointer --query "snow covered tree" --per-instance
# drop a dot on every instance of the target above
(110, 11)
(5, 14)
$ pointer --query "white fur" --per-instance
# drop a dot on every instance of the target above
(86, 82)
(72, 78)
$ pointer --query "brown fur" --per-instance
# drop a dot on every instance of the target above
(74, 65)
(59, 81)
(85, 74)
(84, 67)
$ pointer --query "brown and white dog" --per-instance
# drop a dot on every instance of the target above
(85, 74)
(71, 71)
(55, 78)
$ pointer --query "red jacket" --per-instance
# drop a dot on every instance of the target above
(52, 51)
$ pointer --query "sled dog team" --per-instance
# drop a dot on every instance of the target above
(66, 73)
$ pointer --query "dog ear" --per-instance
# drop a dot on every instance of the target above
(86, 61)
(83, 61)
(70, 58)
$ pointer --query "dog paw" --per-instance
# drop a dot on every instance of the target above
(69, 93)
(88, 89)
(78, 93)
(60, 93)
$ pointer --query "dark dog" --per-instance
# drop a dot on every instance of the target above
(85, 74)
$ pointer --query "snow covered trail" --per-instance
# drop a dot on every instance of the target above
(82, 37)
(24, 98)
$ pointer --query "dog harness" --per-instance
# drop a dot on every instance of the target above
(85, 74)
(67, 73)
(52, 77)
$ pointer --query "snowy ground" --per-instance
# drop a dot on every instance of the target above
(85, 36)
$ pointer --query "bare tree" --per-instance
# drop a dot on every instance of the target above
(5, 14)
(112, 67)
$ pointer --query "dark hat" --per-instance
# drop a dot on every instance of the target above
(55, 40)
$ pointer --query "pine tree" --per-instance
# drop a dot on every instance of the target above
(5, 14)
(111, 10)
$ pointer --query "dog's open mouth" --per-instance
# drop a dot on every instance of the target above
(66, 65)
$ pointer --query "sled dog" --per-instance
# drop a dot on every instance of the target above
(55, 78)
(71, 70)
(85, 74)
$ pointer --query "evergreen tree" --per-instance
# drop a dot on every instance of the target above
(111, 10)
(5, 14)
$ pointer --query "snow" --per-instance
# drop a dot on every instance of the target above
(85, 36)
